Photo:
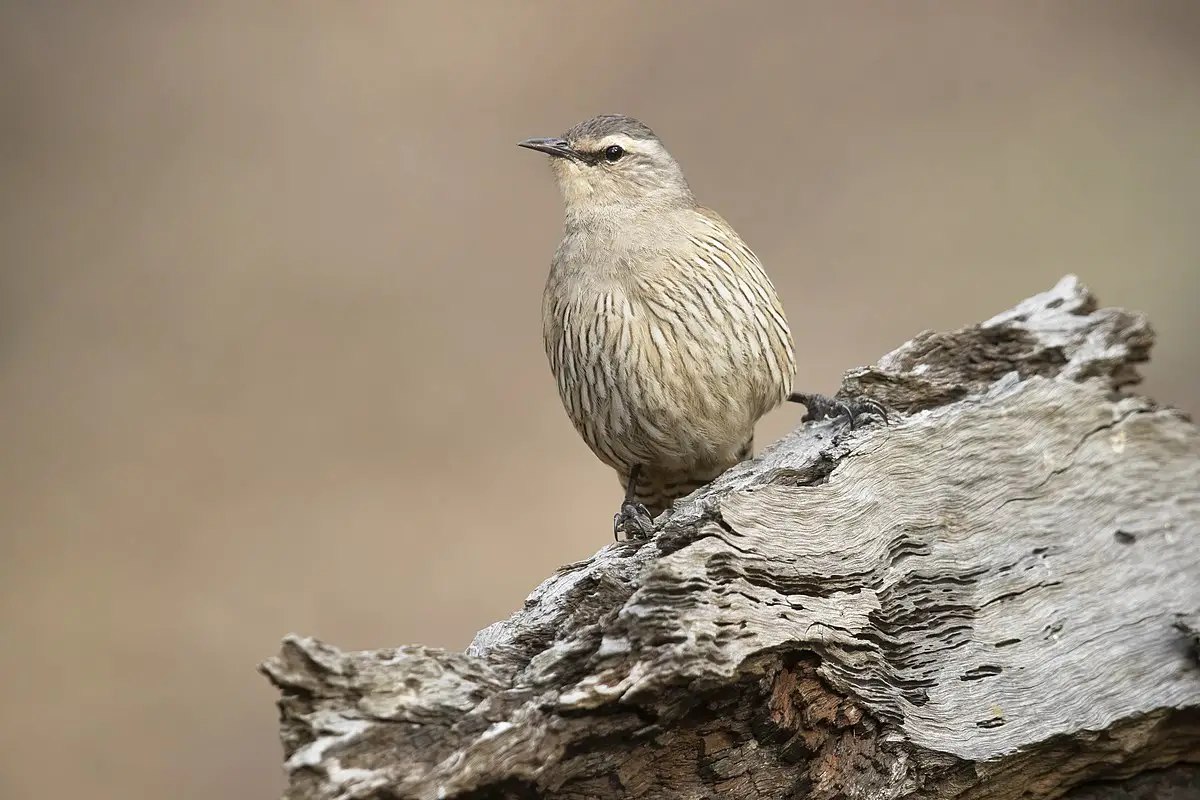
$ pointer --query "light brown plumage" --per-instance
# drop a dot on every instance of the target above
(666, 338)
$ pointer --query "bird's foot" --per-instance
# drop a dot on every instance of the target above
(633, 520)
(821, 407)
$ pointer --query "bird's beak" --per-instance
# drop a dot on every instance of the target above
(556, 147)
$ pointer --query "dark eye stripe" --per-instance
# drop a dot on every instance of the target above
(594, 157)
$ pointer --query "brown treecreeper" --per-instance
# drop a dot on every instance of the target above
(664, 333)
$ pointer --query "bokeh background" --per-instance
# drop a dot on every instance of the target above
(270, 279)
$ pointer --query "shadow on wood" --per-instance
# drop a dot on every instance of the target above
(993, 596)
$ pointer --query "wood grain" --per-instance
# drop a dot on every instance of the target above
(995, 595)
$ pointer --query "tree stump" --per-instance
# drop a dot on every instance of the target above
(994, 595)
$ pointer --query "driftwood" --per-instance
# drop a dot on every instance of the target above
(995, 595)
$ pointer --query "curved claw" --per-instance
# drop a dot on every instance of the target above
(634, 520)
(820, 407)
(874, 407)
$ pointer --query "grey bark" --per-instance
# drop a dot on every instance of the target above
(995, 595)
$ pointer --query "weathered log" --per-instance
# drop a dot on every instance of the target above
(994, 595)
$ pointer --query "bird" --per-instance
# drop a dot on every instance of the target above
(665, 336)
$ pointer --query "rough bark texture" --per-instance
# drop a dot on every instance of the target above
(996, 595)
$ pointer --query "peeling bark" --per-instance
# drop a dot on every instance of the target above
(996, 595)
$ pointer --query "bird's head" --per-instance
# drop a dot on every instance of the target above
(613, 160)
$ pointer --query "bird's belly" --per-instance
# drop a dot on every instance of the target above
(679, 405)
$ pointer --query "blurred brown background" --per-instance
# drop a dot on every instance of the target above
(270, 353)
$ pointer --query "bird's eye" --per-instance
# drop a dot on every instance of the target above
(613, 153)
